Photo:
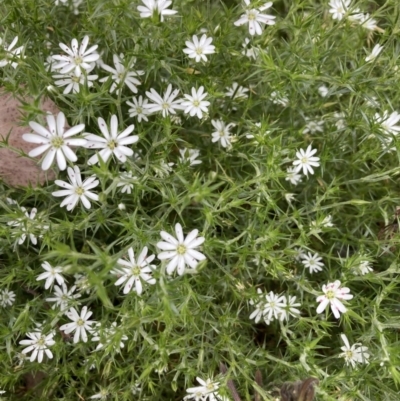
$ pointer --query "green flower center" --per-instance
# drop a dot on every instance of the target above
(57, 142)
(199, 50)
(181, 249)
(79, 191)
(196, 103)
(251, 15)
(304, 160)
(135, 271)
(165, 106)
(41, 341)
(112, 144)
(330, 294)
(80, 322)
(78, 60)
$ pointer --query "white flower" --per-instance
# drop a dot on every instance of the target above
(292, 176)
(189, 156)
(63, 296)
(199, 48)
(222, 133)
(113, 142)
(206, 388)
(354, 354)
(77, 190)
(374, 54)
(54, 141)
(298, 253)
(248, 50)
(195, 104)
(107, 335)
(254, 17)
(26, 225)
(73, 82)
(388, 122)
(340, 121)
(327, 221)
(368, 23)
(138, 108)
(79, 324)
(125, 181)
(312, 262)
(164, 169)
(278, 98)
(11, 53)
(76, 59)
(7, 298)
(180, 251)
(51, 274)
(158, 6)
(333, 293)
(364, 267)
(166, 105)
(122, 75)
(236, 91)
(82, 282)
(339, 8)
(289, 307)
(323, 91)
(273, 307)
(135, 271)
(305, 160)
(313, 126)
(39, 345)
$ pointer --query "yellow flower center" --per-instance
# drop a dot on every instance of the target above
(79, 191)
(330, 294)
(135, 271)
(181, 249)
(112, 144)
(80, 322)
(57, 142)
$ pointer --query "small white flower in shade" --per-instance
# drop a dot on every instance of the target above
(180, 251)
(279, 98)
(313, 126)
(323, 91)
(164, 169)
(80, 323)
(195, 104)
(364, 267)
(332, 296)
(292, 176)
(50, 275)
(155, 6)
(167, 104)
(112, 142)
(388, 122)
(222, 133)
(55, 141)
(82, 283)
(368, 23)
(357, 353)
(236, 91)
(206, 388)
(122, 75)
(2, 391)
(109, 335)
(78, 58)
(72, 82)
(26, 226)
(63, 297)
(249, 50)
(199, 48)
(10, 53)
(189, 156)
(339, 8)
(289, 307)
(272, 306)
(312, 262)
(327, 221)
(77, 190)
(134, 273)
(254, 18)
(138, 108)
(7, 298)
(340, 120)
(298, 255)
(374, 53)
(306, 160)
(39, 345)
(102, 395)
(125, 181)
(290, 197)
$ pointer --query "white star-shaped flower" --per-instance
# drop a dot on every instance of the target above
(77, 190)
(181, 251)
(222, 133)
(11, 53)
(155, 6)
(167, 104)
(198, 49)
(55, 141)
(80, 323)
(306, 160)
(112, 142)
(50, 275)
(78, 58)
(357, 353)
(195, 104)
(138, 108)
(39, 345)
(312, 262)
(333, 293)
(339, 8)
